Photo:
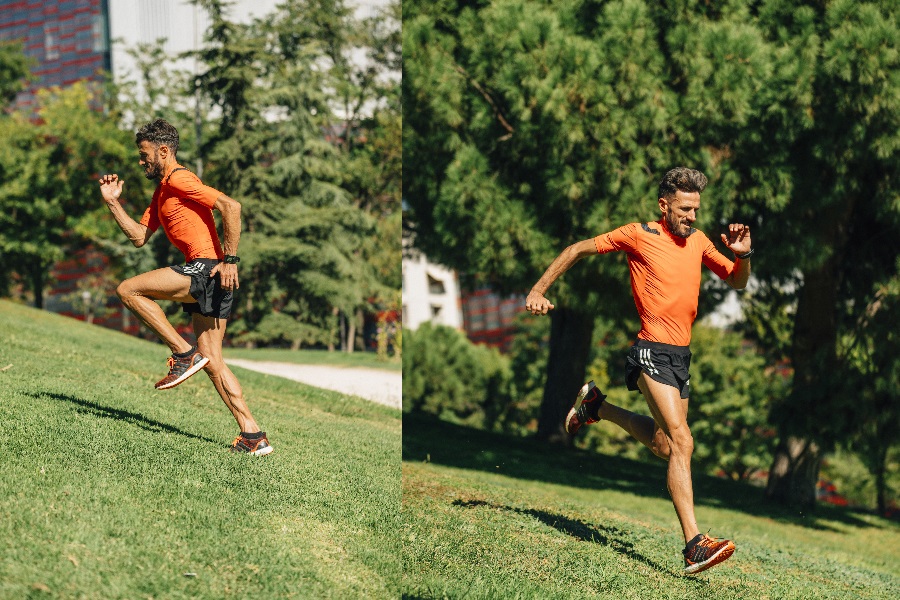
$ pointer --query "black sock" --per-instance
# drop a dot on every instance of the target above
(593, 410)
(253, 436)
(693, 541)
(184, 354)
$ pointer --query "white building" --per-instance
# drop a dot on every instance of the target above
(430, 292)
(183, 25)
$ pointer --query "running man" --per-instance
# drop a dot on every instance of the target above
(183, 206)
(664, 258)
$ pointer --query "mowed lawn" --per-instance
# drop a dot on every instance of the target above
(365, 360)
(493, 517)
(111, 489)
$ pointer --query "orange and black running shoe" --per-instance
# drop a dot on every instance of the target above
(586, 409)
(254, 446)
(180, 368)
(704, 552)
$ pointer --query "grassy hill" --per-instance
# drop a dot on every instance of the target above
(111, 489)
(488, 516)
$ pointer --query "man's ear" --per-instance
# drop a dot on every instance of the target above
(663, 205)
(163, 152)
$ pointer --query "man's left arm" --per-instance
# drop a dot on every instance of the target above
(738, 241)
(231, 229)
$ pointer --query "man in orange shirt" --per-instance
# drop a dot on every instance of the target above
(665, 259)
(183, 206)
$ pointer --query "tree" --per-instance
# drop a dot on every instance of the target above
(13, 71)
(297, 166)
(872, 356)
(527, 130)
(841, 157)
(48, 178)
(531, 126)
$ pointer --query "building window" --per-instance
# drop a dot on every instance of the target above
(436, 311)
(98, 28)
(435, 286)
(51, 41)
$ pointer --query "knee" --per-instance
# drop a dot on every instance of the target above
(125, 291)
(682, 442)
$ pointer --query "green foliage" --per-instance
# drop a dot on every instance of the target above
(530, 126)
(13, 71)
(319, 182)
(731, 390)
(446, 375)
(48, 178)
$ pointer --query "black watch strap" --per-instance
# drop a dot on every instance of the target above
(746, 254)
(231, 260)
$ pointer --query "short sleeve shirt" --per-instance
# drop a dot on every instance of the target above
(182, 205)
(665, 276)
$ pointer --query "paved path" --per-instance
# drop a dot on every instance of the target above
(384, 387)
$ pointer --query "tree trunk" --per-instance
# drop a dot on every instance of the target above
(351, 333)
(331, 333)
(794, 473)
(37, 284)
(570, 343)
(803, 424)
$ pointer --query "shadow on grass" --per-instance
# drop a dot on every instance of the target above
(599, 534)
(92, 408)
(426, 438)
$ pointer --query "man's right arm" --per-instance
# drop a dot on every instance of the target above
(111, 189)
(536, 303)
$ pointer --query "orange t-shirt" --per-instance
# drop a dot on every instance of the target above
(665, 276)
(183, 206)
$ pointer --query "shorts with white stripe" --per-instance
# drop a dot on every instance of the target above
(664, 363)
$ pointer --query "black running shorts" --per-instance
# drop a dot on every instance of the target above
(664, 363)
(212, 300)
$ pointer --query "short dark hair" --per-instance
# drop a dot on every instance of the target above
(159, 132)
(681, 179)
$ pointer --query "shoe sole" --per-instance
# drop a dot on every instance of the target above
(263, 451)
(582, 394)
(720, 556)
(185, 375)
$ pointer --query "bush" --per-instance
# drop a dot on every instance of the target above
(447, 375)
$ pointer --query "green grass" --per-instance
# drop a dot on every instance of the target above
(368, 360)
(493, 517)
(111, 489)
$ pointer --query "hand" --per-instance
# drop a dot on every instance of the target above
(537, 304)
(738, 240)
(111, 187)
(228, 274)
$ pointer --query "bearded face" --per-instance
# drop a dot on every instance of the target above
(150, 161)
(680, 212)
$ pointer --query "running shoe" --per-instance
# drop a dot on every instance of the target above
(586, 409)
(257, 447)
(705, 553)
(181, 368)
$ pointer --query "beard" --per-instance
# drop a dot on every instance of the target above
(153, 170)
(678, 227)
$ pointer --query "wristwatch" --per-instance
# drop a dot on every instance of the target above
(231, 260)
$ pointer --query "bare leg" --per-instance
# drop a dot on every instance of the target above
(670, 413)
(210, 332)
(138, 295)
(641, 427)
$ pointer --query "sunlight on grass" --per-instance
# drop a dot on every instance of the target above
(113, 489)
(499, 517)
